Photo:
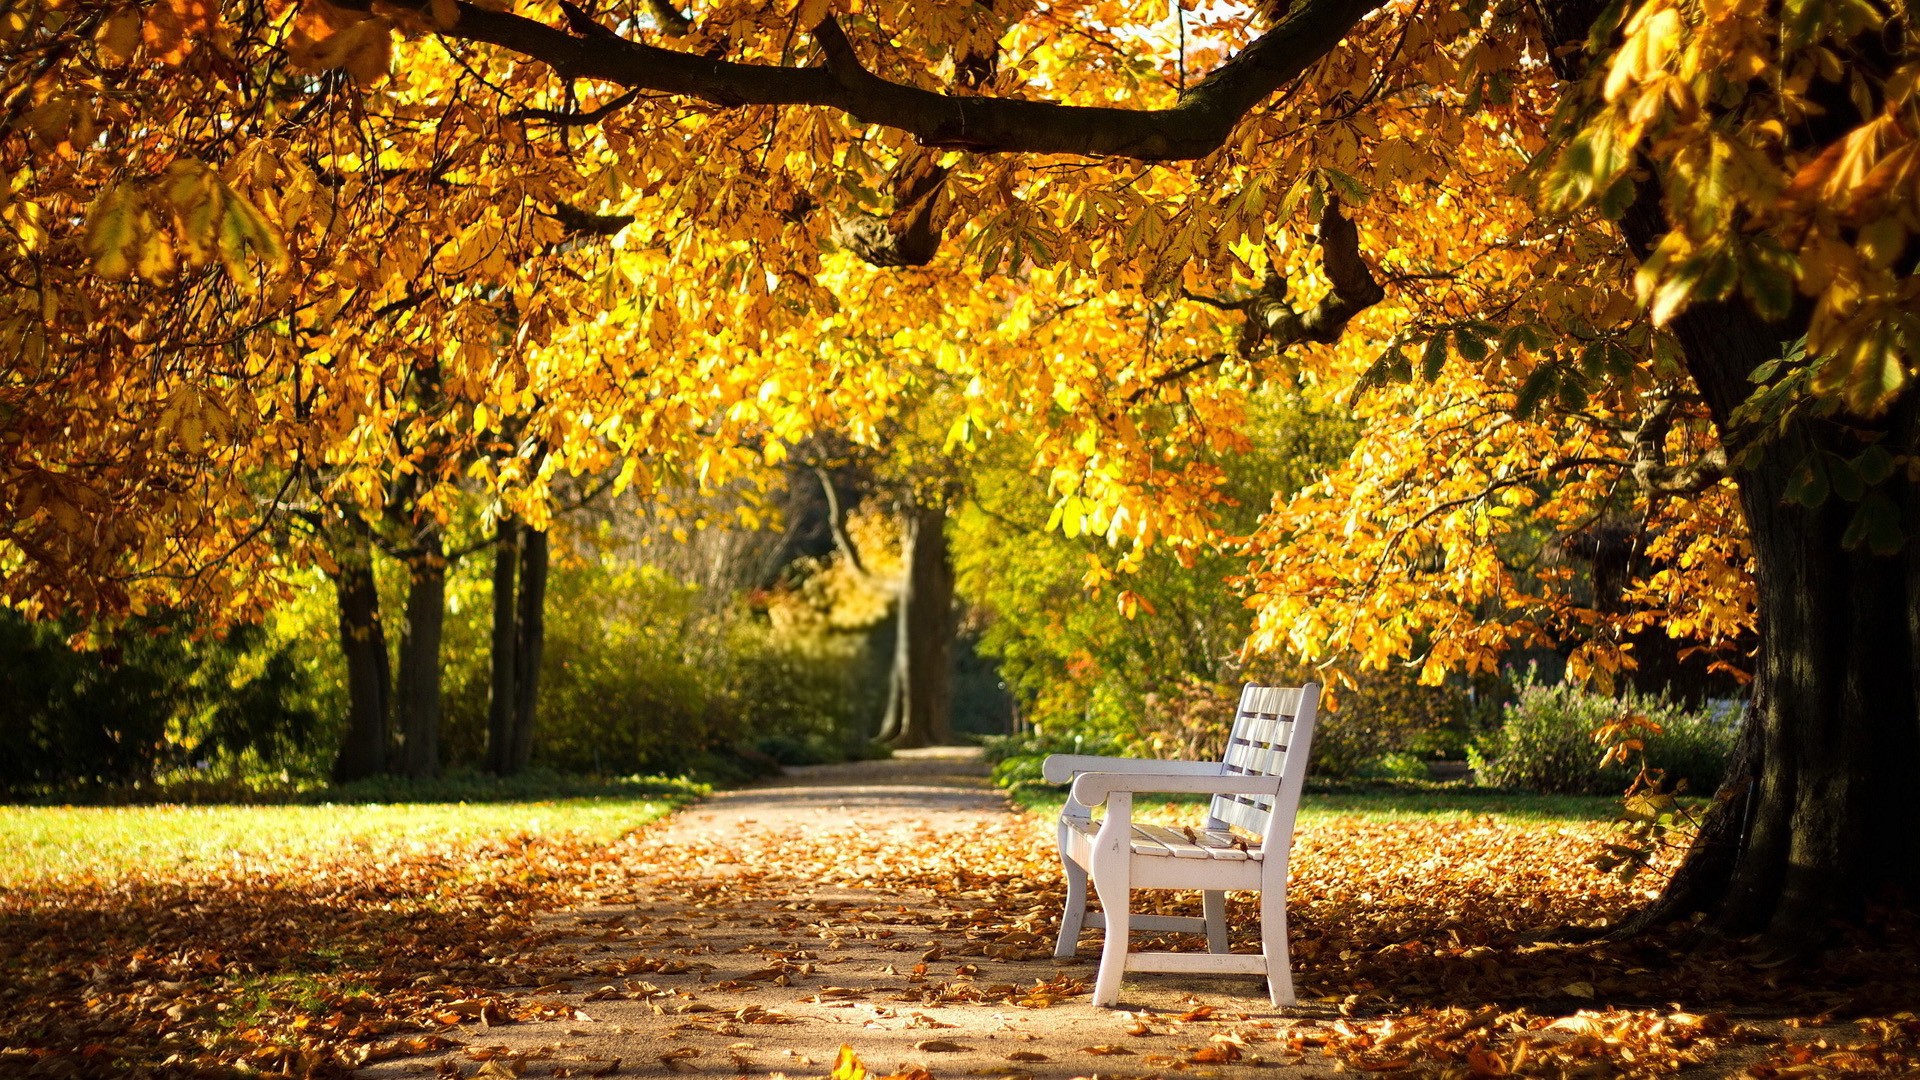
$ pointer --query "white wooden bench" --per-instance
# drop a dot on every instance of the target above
(1255, 787)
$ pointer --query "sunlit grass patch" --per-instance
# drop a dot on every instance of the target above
(65, 842)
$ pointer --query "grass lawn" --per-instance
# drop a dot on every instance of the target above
(46, 843)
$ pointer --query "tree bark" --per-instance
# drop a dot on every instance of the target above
(419, 696)
(529, 641)
(1832, 822)
(920, 690)
(503, 697)
(363, 645)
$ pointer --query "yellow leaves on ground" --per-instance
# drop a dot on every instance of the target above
(1423, 941)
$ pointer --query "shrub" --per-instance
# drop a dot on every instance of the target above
(645, 673)
(1016, 759)
(1389, 715)
(1545, 742)
(149, 699)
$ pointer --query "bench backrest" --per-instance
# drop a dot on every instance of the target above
(1271, 734)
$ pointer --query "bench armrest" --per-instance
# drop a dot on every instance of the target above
(1060, 768)
(1092, 788)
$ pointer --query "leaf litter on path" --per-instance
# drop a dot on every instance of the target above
(1421, 945)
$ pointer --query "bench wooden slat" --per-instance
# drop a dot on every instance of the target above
(1160, 841)
(1176, 845)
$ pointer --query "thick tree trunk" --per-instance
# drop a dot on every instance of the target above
(363, 644)
(1817, 816)
(1828, 817)
(419, 696)
(503, 698)
(530, 639)
(920, 690)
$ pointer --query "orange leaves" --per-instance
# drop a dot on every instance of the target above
(172, 31)
(119, 35)
(325, 37)
(1710, 94)
(1423, 942)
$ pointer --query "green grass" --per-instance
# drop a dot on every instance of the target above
(42, 842)
(1390, 802)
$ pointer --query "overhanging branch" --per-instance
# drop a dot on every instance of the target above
(1195, 126)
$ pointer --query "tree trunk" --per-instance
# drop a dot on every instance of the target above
(1817, 815)
(363, 644)
(419, 697)
(503, 698)
(529, 641)
(1828, 819)
(920, 689)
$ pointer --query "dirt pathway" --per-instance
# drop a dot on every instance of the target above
(899, 907)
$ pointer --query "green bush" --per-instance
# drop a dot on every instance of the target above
(148, 701)
(1398, 766)
(1376, 728)
(1016, 759)
(1545, 742)
(645, 673)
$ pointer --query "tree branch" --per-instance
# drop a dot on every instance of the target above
(1271, 321)
(837, 523)
(1651, 469)
(569, 118)
(1198, 124)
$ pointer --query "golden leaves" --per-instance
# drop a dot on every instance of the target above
(113, 231)
(326, 37)
(209, 219)
(173, 29)
(1708, 95)
(119, 35)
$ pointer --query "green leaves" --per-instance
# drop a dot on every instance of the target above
(1539, 383)
(1809, 486)
(1593, 164)
(1875, 523)
(1434, 357)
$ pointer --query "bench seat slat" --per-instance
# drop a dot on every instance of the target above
(1160, 841)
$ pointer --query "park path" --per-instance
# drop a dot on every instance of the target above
(900, 907)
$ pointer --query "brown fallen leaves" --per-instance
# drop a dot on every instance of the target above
(1430, 946)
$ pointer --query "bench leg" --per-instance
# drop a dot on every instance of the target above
(1075, 915)
(1213, 902)
(1273, 944)
(1111, 881)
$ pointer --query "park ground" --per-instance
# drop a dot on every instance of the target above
(903, 909)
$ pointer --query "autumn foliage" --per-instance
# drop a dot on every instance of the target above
(1621, 298)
